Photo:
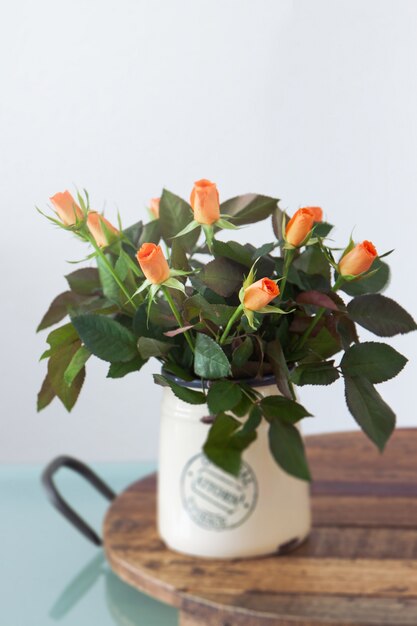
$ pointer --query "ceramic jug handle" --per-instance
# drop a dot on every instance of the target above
(61, 504)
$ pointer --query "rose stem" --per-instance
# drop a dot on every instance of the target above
(230, 324)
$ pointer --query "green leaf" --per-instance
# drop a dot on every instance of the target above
(223, 276)
(133, 234)
(179, 259)
(76, 364)
(313, 261)
(178, 371)
(283, 408)
(249, 208)
(381, 315)
(243, 407)
(59, 308)
(322, 229)
(139, 323)
(219, 314)
(373, 415)
(197, 307)
(315, 374)
(62, 336)
(223, 395)
(118, 370)
(85, 281)
(371, 284)
(106, 338)
(57, 366)
(224, 446)
(149, 347)
(324, 344)
(183, 393)
(151, 233)
(209, 359)
(234, 251)
(278, 362)
(122, 266)
(377, 362)
(347, 331)
(174, 215)
(279, 221)
(242, 353)
(287, 448)
(253, 421)
(46, 394)
(110, 288)
(264, 250)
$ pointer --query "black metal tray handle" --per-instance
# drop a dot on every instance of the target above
(61, 504)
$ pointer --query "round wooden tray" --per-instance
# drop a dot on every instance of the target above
(358, 567)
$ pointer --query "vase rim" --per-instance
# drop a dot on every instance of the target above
(198, 383)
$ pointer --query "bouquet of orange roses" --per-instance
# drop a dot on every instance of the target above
(226, 314)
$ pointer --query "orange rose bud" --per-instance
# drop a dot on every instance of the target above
(317, 212)
(95, 223)
(299, 226)
(66, 207)
(358, 260)
(259, 294)
(204, 201)
(153, 263)
(154, 206)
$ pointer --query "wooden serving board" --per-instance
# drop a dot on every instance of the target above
(358, 567)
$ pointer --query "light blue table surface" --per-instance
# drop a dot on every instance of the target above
(49, 573)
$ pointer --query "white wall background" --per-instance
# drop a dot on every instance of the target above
(313, 101)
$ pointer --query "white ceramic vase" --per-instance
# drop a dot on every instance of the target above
(205, 512)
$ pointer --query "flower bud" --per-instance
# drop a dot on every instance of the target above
(66, 207)
(154, 207)
(358, 260)
(299, 226)
(95, 222)
(204, 201)
(317, 212)
(153, 263)
(259, 294)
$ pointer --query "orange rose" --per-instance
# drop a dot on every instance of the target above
(317, 212)
(358, 260)
(299, 226)
(66, 207)
(154, 206)
(95, 223)
(260, 293)
(204, 201)
(153, 263)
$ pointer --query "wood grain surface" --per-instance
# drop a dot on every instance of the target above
(358, 567)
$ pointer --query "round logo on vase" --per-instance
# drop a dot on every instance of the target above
(214, 499)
